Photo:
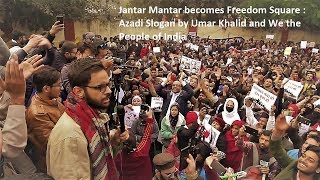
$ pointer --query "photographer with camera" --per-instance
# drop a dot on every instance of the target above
(139, 125)
(133, 162)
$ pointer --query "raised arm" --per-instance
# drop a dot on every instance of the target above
(14, 132)
(275, 143)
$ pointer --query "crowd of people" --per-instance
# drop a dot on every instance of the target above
(60, 114)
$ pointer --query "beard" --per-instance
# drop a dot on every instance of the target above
(93, 103)
(71, 59)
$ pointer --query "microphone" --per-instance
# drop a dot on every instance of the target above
(264, 164)
(121, 112)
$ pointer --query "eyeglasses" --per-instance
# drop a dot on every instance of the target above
(103, 46)
(102, 87)
(173, 174)
(73, 52)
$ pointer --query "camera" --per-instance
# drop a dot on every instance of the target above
(118, 61)
(145, 107)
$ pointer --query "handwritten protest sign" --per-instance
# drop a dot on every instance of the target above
(292, 88)
(315, 50)
(156, 103)
(262, 97)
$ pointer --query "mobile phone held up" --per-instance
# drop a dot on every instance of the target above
(60, 18)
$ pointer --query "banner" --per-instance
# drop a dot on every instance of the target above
(292, 88)
(262, 97)
(156, 103)
(192, 65)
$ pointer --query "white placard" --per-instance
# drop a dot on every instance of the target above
(318, 128)
(303, 129)
(303, 44)
(195, 66)
(262, 97)
(316, 103)
(156, 49)
(270, 36)
(136, 109)
(185, 62)
(312, 44)
(229, 61)
(315, 50)
(190, 64)
(156, 103)
(214, 134)
(130, 116)
(271, 123)
(293, 88)
(188, 45)
(194, 47)
(287, 51)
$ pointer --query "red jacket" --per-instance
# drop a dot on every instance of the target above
(144, 52)
(234, 153)
(137, 165)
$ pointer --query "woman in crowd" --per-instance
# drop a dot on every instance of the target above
(170, 124)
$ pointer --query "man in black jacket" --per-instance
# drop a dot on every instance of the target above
(181, 93)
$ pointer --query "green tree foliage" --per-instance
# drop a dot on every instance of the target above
(40, 14)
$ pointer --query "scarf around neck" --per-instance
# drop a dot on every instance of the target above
(96, 133)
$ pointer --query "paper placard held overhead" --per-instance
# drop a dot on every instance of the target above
(229, 61)
(312, 44)
(270, 36)
(287, 51)
(303, 44)
(292, 88)
(317, 103)
(130, 116)
(314, 50)
(262, 97)
(156, 49)
(194, 47)
(190, 64)
(156, 103)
